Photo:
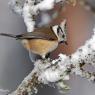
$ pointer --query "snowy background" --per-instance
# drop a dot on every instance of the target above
(14, 60)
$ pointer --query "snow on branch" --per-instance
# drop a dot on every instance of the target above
(28, 9)
(56, 71)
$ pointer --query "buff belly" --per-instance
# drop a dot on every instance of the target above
(42, 47)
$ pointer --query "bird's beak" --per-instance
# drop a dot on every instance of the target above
(64, 42)
(61, 42)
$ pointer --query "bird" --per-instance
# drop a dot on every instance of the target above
(42, 41)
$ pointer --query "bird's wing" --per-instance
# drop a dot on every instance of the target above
(40, 33)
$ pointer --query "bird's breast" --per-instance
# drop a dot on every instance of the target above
(41, 46)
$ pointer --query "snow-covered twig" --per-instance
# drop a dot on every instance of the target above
(30, 8)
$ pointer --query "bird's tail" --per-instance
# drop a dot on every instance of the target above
(8, 35)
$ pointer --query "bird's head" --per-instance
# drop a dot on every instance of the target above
(61, 31)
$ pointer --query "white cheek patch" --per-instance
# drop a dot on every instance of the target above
(62, 25)
(54, 28)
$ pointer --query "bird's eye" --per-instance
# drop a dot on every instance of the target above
(63, 36)
(59, 30)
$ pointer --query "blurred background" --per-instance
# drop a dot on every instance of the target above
(15, 63)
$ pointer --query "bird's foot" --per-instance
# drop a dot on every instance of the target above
(47, 60)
